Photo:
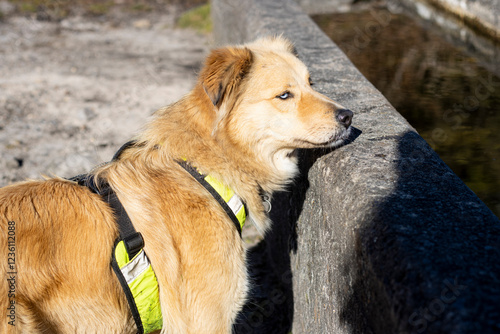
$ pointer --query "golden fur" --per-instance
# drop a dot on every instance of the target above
(232, 125)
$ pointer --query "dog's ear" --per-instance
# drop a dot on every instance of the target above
(224, 70)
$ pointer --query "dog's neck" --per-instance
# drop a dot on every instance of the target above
(184, 131)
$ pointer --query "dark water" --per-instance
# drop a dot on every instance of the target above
(452, 101)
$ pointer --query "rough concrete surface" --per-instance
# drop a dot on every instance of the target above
(455, 30)
(378, 236)
(487, 11)
(324, 6)
(71, 92)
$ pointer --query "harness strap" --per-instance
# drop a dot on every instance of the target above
(128, 144)
(133, 240)
(129, 239)
(130, 262)
(202, 180)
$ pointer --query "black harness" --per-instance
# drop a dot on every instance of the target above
(132, 239)
(201, 179)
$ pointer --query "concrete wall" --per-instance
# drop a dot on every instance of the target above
(482, 14)
(378, 236)
(474, 25)
(324, 6)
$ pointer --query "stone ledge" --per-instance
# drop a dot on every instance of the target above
(482, 15)
(378, 236)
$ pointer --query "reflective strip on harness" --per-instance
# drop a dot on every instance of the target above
(228, 195)
(143, 285)
(136, 267)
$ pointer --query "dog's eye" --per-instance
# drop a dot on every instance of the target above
(311, 83)
(285, 95)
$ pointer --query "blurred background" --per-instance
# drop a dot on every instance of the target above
(91, 71)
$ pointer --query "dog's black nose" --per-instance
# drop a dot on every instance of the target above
(344, 117)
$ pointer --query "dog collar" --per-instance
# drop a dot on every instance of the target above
(225, 196)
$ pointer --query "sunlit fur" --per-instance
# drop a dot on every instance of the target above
(233, 125)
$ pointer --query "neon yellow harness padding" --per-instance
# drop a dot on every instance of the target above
(136, 275)
(143, 285)
(228, 195)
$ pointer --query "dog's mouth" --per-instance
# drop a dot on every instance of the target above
(334, 141)
(340, 139)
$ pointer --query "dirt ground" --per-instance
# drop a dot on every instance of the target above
(73, 91)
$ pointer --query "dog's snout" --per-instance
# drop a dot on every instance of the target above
(344, 117)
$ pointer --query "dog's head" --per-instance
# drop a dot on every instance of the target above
(264, 102)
